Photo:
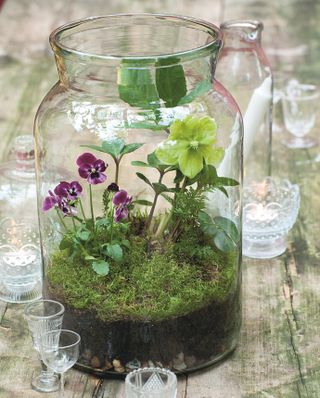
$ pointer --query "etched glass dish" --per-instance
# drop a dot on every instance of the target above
(151, 383)
(270, 209)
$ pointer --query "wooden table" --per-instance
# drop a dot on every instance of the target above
(279, 350)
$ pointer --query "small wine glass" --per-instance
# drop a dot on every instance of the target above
(60, 351)
(151, 383)
(299, 104)
(42, 316)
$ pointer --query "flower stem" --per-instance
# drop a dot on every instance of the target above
(82, 211)
(153, 207)
(117, 162)
(91, 207)
(61, 219)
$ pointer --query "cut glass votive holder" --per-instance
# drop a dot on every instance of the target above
(151, 383)
(270, 208)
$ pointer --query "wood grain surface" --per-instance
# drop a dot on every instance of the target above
(279, 351)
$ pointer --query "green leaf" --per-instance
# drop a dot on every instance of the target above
(144, 178)
(101, 267)
(83, 234)
(130, 148)
(223, 242)
(136, 86)
(89, 258)
(203, 87)
(115, 252)
(114, 147)
(94, 147)
(227, 182)
(103, 222)
(159, 188)
(153, 160)
(139, 164)
(170, 81)
(126, 243)
(143, 202)
(228, 227)
(206, 223)
(179, 177)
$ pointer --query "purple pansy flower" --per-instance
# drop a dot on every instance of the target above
(68, 190)
(91, 168)
(121, 200)
(50, 201)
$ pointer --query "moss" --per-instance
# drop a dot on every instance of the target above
(150, 284)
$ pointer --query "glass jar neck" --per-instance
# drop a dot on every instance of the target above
(100, 54)
(242, 34)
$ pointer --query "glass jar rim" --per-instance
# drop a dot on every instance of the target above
(243, 24)
(71, 53)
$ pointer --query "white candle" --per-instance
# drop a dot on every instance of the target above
(255, 114)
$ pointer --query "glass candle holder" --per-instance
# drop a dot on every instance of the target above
(270, 209)
(151, 383)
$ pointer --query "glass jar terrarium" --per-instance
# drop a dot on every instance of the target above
(140, 172)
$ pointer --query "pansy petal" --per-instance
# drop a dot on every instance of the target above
(168, 151)
(99, 165)
(62, 189)
(76, 186)
(120, 197)
(211, 155)
(84, 170)
(96, 178)
(48, 203)
(86, 158)
(191, 163)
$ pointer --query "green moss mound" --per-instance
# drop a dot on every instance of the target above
(154, 284)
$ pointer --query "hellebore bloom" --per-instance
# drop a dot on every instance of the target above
(68, 190)
(91, 168)
(121, 200)
(190, 145)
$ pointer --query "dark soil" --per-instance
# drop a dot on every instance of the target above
(198, 339)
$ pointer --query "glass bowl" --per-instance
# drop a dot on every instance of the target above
(270, 208)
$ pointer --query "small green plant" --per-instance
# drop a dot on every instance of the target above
(189, 154)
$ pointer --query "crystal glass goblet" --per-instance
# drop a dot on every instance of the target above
(43, 316)
(151, 383)
(300, 104)
(60, 351)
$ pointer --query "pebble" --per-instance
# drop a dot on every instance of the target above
(178, 362)
(132, 365)
(86, 354)
(95, 362)
(190, 360)
(108, 365)
(118, 366)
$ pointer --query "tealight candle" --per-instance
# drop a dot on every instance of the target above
(270, 210)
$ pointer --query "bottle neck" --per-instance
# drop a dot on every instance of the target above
(242, 34)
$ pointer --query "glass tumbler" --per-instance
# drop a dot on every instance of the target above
(151, 383)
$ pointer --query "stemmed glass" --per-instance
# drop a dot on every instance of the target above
(60, 351)
(42, 316)
(299, 104)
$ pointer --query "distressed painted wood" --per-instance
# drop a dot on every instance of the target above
(279, 351)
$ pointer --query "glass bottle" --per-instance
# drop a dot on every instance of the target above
(146, 258)
(245, 71)
(20, 263)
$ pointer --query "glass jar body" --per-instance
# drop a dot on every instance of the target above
(146, 257)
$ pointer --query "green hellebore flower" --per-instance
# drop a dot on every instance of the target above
(191, 145)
